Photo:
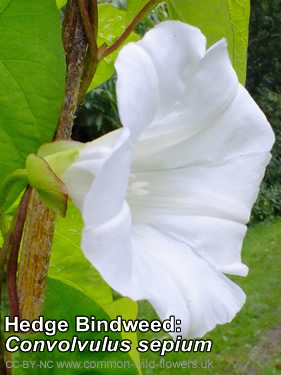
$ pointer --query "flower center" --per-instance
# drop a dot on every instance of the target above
(137, 187)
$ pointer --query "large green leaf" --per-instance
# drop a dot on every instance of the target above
(65, 303)
(3, 4)
(111, 26)
(219, 19)
(61, 3)
(32, 75)
(68, 262)
(128, 309)
(134, 7)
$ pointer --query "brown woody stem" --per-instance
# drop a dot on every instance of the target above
(76, 53)
(89, 13)
(13, 258)
(40, 221)
(35, 255)
(88, 74)
(89, 29)
(11, 242)
(3, 259)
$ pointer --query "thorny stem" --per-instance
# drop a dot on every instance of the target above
(151, 4)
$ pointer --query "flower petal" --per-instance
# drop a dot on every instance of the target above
(170, 275)
(165, 271)
(137, 90)
(106, 195)
(189, 82)
(225, 189)
(80, 175)
(108, 248)
(151, 78)
(216, 240)
(202, 145)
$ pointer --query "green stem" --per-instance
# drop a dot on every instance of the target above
(94, 16)
(13, 259)
(149, 6)
(4, 251)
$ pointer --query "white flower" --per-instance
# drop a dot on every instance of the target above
(165, 200)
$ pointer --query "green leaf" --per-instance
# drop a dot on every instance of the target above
(111, 26)
(3, 4)
(50, 188)
(133, 9)
(68, 262)
(61, 3)
(219, 19)
(128, 309)
(65, 303)
(13, 183)
(32, 75)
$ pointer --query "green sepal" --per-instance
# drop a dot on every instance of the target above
(60, 154)
(51, 189)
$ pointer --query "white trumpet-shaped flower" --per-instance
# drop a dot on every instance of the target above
(165, 199)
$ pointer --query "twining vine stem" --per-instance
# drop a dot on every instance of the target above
(14, 252)
(150, 5)
(90, 28)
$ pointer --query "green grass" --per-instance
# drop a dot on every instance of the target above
(251, 343)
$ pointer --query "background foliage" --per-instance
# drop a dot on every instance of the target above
(264, 84)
